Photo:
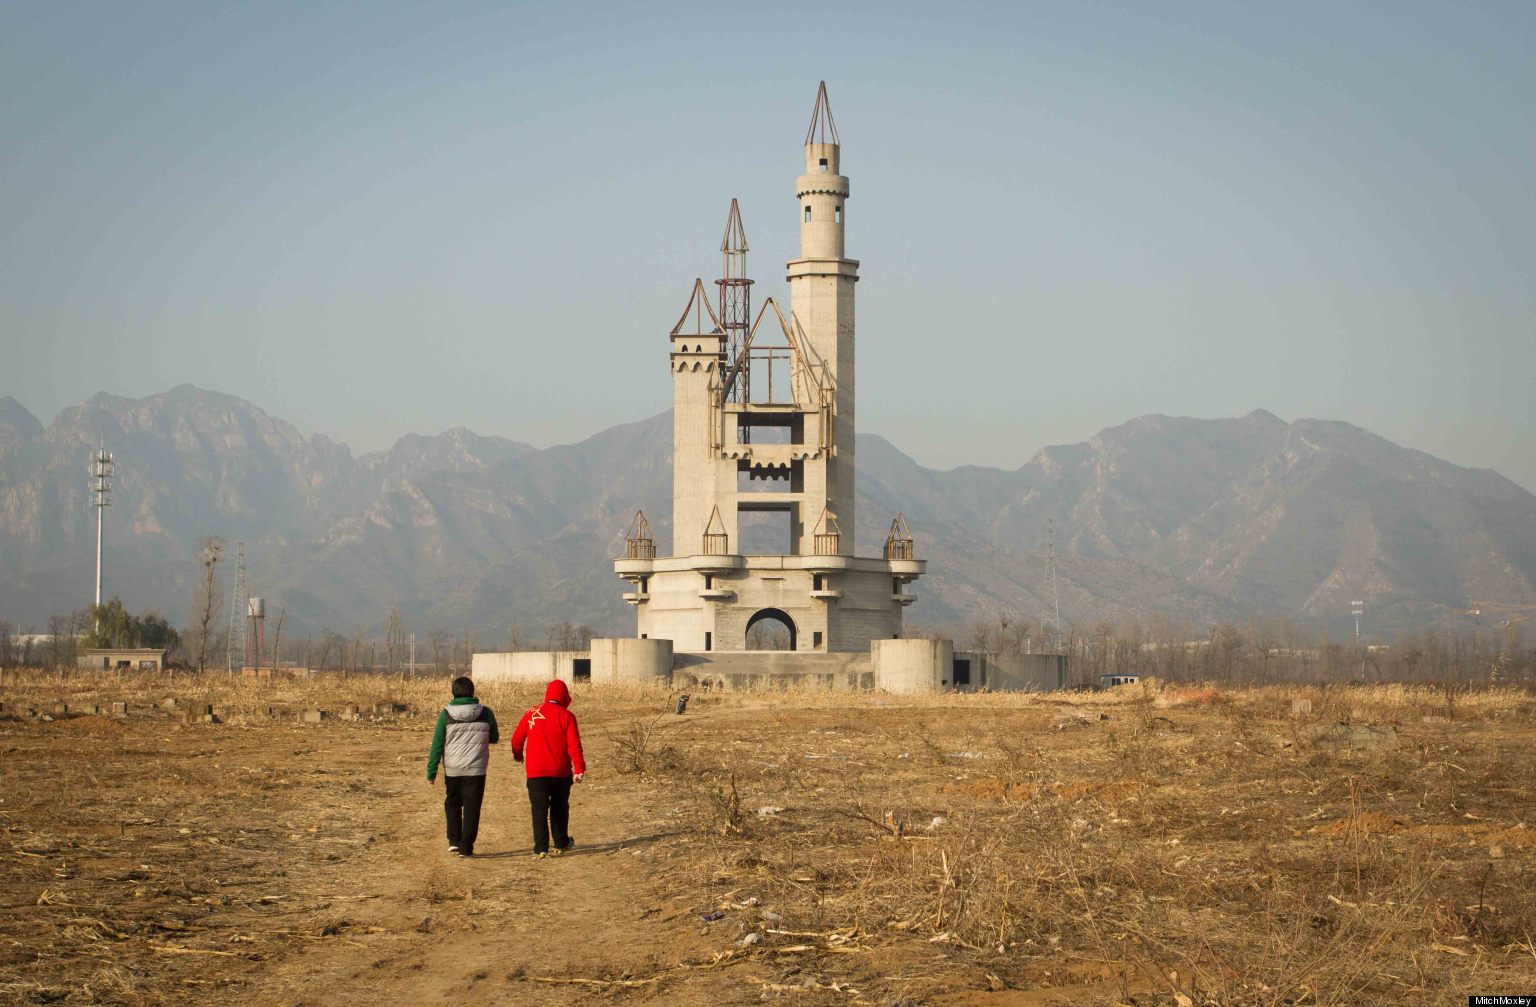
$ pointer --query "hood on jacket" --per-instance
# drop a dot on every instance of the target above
(463, 712)
(557, 692)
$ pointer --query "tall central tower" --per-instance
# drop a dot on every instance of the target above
(821, 295)
(763, 437)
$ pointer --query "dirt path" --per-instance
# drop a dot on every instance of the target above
(421, 926)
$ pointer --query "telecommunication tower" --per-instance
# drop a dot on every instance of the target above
(1050, 552)
(101, 469)
(1357, 608)
(235, 646)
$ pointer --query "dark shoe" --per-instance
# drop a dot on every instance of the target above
(466, 853)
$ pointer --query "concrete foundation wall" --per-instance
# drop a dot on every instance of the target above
(628, 660)
(1008, 672)
(771, 669)
(912, 666)
(527, 666)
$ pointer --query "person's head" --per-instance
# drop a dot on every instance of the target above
(463, 687)
(557, 692)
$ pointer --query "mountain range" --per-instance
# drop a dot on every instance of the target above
(1203, 520)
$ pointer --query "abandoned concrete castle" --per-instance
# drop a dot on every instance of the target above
(763, 431)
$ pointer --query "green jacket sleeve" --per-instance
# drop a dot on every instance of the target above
(439, 736)
(495, 734)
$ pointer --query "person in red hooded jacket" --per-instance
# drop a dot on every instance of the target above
(548, 743)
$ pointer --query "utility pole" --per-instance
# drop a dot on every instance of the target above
(101, 470)
(1050, 550)
(413, 655)
(1357, 607)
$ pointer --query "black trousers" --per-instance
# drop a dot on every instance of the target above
(550, 799)
(462, 806)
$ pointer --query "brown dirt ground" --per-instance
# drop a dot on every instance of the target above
(263, 862)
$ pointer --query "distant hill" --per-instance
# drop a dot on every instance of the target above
(1201, 519)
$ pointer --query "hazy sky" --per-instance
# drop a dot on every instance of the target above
(375, 221)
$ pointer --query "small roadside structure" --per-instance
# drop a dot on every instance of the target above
(123, 659)
(1110, 681)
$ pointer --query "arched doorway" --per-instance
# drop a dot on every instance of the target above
(771, 629)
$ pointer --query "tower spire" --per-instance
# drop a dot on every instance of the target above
(822, 124)
(735, 295)
(735, 239)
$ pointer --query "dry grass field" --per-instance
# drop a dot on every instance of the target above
(1146, 846)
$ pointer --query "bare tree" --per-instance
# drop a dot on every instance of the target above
(517, 639)
(394, 634)
(208, 603)
(277, 639)
(569, 636)
(469, 648)
(330, 642)
(442, 650)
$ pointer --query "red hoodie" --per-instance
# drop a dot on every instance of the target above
(550, 734)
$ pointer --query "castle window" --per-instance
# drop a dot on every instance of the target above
(823, 164)
(709, 641)
(837, 214)
(807, 214)
(816, 639)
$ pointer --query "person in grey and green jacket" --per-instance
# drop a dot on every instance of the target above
(466, 730)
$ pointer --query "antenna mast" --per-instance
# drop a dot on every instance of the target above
(1050, 552)
(235, 644)
(101, 469)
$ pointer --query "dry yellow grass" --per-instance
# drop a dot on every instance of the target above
(1166, 845)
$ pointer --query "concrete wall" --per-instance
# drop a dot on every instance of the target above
(912, 666)
(630, 660)
(527, 666)
(1010, 672)
(771, 669)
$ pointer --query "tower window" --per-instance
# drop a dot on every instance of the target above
(709, 641)
(807, 214)
(837, 214)
(823, 164)
(816, 639)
